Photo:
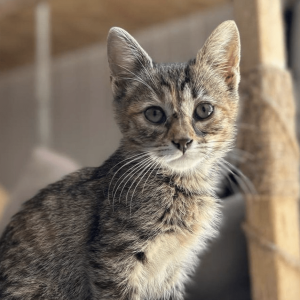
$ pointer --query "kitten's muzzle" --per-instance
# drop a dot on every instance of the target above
(182, 144)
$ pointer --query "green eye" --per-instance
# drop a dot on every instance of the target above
(155, 115)
(203, 111)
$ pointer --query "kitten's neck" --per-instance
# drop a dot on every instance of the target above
(195, 182)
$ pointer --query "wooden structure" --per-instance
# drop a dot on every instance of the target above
(43, 73)
(81, 23)
(268, 132)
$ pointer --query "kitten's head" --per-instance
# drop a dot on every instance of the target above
(182, 114)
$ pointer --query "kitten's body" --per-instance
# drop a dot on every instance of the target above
(107, 253)
(132, 228)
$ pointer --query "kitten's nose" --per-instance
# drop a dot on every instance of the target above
(182, 144)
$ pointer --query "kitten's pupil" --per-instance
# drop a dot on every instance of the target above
(155, 115)
(204, 110)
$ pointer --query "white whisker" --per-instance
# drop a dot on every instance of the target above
(124, 176)
(138, 156)
(140, 166)
(244, 181)
(150, 175)
(145, 167)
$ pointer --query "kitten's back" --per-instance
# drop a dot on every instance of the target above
(43, 246)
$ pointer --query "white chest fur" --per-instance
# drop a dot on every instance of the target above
(168, 259)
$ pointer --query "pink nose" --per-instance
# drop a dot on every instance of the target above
(182, 144)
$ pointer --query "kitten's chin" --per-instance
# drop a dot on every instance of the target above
(184, 163)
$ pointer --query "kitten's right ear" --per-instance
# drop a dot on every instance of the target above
(221, 52)
(125, 56)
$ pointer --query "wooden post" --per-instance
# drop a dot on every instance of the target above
(267, 131)
(43, 73)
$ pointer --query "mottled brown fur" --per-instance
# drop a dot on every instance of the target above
(132, 228)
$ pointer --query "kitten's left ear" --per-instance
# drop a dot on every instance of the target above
(221, 52)
(125, 56)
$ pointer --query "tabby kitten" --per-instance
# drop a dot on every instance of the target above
(132, 228)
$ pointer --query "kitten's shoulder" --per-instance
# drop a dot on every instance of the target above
(82, 183)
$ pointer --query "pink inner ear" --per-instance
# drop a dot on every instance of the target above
(232, 64)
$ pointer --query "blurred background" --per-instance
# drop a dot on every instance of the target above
(55, 100)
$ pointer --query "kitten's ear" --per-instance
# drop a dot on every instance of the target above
(125, 56)
(221, 52)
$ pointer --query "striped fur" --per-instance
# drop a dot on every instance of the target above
(133, 227)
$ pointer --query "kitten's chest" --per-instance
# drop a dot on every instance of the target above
(166, 260)
(169, 251)
(168, 257)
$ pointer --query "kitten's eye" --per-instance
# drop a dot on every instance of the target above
(155, 115)
(204, 110)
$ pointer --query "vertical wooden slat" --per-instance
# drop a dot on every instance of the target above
(295, 57)
(43, 73)
(262, 35)
(268, 134)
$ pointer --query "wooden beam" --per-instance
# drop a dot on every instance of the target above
(267, 131)
(81, 23)
(8, 7)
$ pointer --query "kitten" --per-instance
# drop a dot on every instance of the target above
(132, 228)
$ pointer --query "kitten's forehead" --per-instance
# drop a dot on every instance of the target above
(178, 89)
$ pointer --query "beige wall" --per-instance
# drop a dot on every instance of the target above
(83, 125)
